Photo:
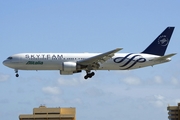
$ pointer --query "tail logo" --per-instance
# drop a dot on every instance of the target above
(163, 40)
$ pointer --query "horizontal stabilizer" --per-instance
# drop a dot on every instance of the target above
(164, 57)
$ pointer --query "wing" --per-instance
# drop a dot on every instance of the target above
(93, 61)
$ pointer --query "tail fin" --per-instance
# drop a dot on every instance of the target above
(159, 45)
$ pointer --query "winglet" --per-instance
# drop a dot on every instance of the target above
(117, 49)
(159, 45)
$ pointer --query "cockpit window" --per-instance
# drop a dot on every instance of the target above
(9, 58)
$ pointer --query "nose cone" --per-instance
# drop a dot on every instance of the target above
(8, 63)
(5, 62)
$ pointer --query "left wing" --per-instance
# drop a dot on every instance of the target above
(98, 58)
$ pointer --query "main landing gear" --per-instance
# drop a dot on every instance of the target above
(89, 75)
(16, 71)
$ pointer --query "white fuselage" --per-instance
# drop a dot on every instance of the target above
(70, 63)
(54, 61)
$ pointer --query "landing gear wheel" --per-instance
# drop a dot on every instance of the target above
(86, 77)
(89, 75)
(92, 74)
(17, 75)
(16, 71)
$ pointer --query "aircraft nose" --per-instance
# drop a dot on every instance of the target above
(5, 62)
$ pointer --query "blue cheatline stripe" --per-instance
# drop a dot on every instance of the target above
(122, 59)
(140, 60)
(129, 61)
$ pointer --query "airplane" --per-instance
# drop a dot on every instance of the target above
(71, 63)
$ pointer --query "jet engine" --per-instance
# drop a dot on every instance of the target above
(68, 68)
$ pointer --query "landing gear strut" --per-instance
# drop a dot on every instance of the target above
(16, 71)
(89, 75)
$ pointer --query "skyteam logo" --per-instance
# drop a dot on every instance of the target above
(129, 60)
(163, 40)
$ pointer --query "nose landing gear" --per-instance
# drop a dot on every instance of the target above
(16, 71)
(89, 75)
(17, 75)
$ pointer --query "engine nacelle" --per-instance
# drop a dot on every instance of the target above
(69, 66)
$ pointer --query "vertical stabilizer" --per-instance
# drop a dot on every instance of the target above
(159, 45)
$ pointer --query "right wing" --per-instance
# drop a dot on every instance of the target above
(94, 61)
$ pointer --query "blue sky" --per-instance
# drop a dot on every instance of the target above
(89, 26)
